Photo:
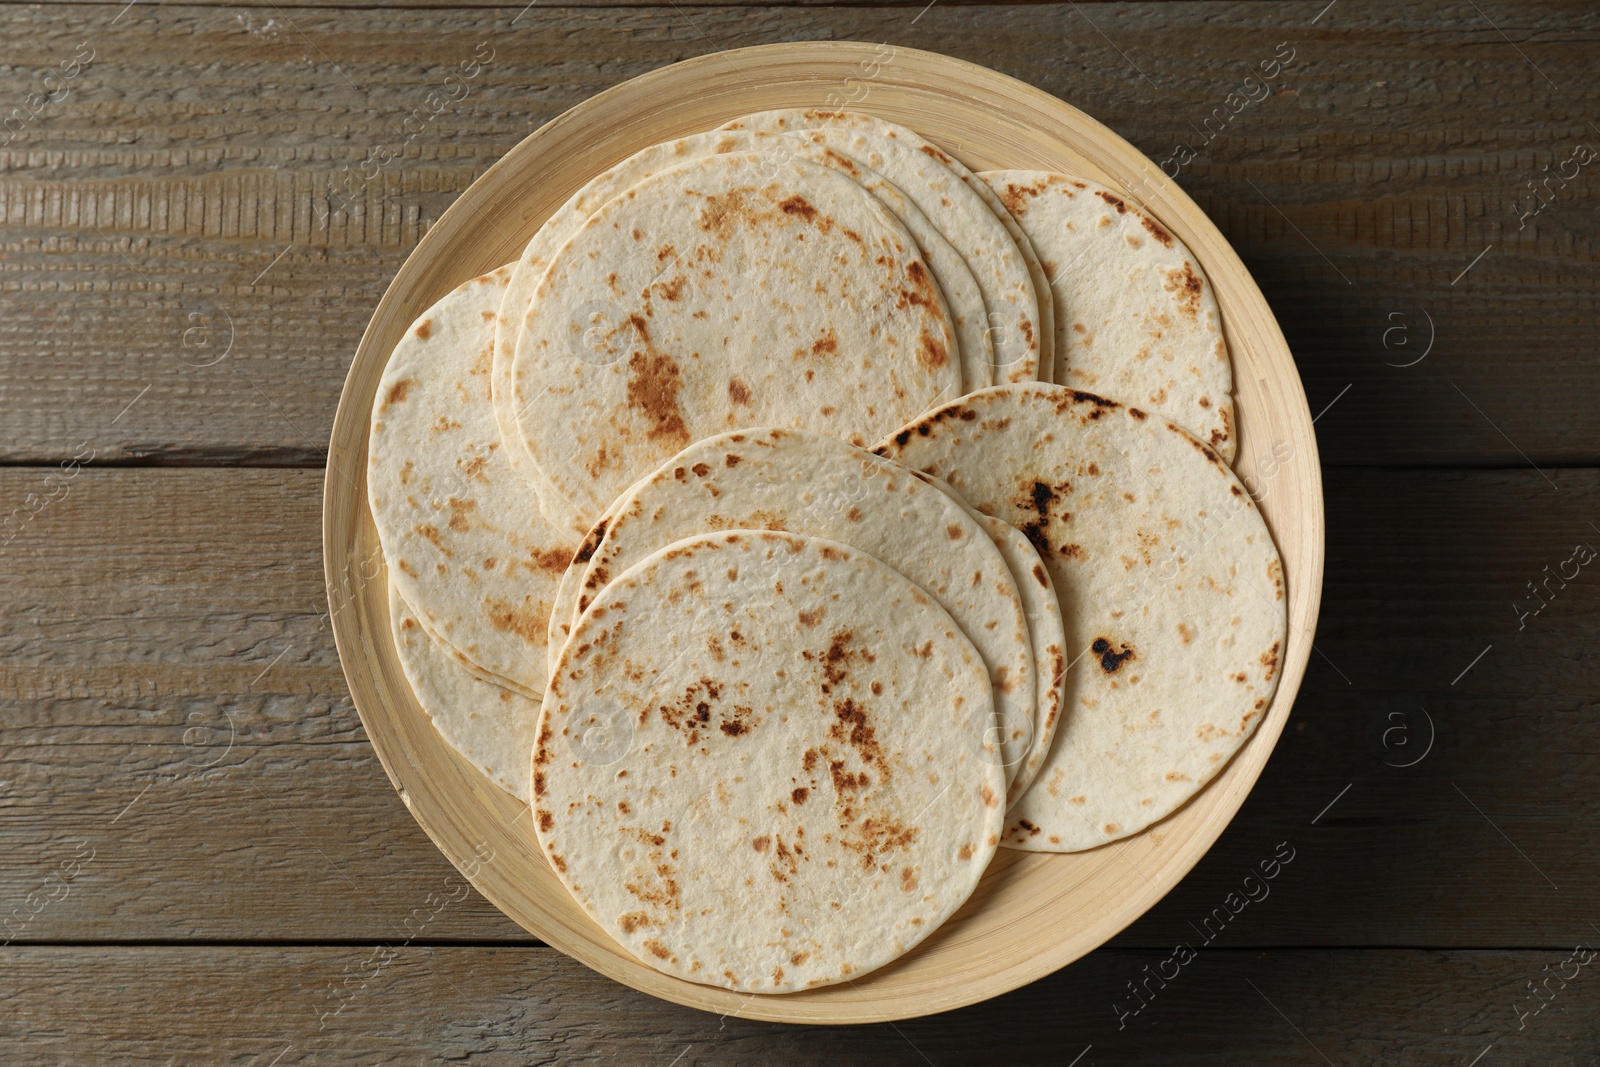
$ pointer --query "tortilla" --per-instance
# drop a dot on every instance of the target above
(563, 606)
(962, 296)
(1046, 638)
(750, 801)
(1136, 318)
(1170, 588)
(795, 300)
(525, 277)
(464, 540)
(491, 726)
(814, 486)
(563, 609)
(954, 201)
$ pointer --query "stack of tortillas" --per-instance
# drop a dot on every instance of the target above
(803, 517)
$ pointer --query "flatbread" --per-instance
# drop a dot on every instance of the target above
(563, 607)
(1136, 318)
(815, 486)
(525, 277)
(798, 301)
(960, 290)
(464, 540)
(1171, 596)
(1041, 284)
(748, 801)
(491, 726)
(939, 185)
(1046, 637)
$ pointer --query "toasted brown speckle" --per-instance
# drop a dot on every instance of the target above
(654, 381)
(1156, 230)
(398, 392)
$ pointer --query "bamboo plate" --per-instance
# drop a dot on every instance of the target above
(1032, 913)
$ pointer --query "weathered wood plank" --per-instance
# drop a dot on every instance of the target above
(174, 703)
(260, 1006)
(512, 7)
(145, 213)
(146, 611)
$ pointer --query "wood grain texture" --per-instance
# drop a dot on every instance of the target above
(173, 702)
(514, 6)
(140, 211)
(261, 1006)
(145, 604)
(137, 216)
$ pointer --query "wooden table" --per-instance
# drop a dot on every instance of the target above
(203, 860)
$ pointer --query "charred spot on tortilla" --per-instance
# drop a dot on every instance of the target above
(1110, 658)
(1040, 497)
